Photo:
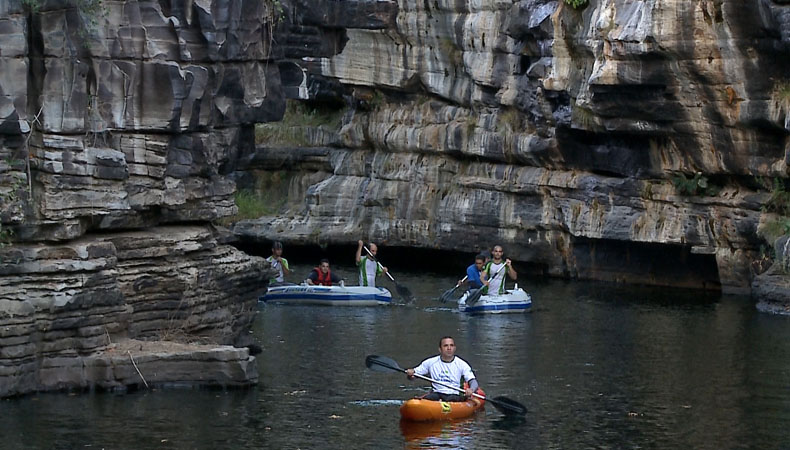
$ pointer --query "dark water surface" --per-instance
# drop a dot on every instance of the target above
(597, 365)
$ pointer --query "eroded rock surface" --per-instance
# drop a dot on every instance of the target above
(65, 306)
(626, 141)
(118, 129)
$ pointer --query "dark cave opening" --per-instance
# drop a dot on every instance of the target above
(636, 263)
(645, 263)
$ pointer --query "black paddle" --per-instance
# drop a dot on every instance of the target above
(475, 296)
(503, 404)
(447, 295)
(402, 290)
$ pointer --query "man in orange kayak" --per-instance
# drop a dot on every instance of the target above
(449, 369)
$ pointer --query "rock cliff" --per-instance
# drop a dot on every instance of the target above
(119, 121)
(628, 141)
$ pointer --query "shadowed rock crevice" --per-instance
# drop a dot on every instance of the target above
(645, 263)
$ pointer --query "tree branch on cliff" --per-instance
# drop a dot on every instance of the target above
(30, 125)
(138, 370)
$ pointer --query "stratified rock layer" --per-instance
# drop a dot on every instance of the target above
(79, 299)
(118, 127)
(625, 141)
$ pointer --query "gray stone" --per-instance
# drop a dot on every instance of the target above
(162, 284)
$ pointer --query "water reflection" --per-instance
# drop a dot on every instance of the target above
(442, 434)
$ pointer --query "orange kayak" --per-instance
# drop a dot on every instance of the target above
(420, 410)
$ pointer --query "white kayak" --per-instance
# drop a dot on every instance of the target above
(512, 301)
(302, 294)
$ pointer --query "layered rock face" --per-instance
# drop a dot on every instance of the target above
(625, 141)
(117, 128)
(64, 305)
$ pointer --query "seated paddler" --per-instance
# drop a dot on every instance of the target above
(447, 368)
(323, 275)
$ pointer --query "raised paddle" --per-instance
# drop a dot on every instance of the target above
(447, 295)
(402, 290)
(475, 296)
(505, 405)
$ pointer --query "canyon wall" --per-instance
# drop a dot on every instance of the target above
(638, 142)
(118, 123)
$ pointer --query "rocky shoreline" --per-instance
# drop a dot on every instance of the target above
(133, 364)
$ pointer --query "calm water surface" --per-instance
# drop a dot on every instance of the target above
(597, 365)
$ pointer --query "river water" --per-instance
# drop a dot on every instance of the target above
(597, 366)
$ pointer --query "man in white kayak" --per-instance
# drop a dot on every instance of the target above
(449, 369)
(368, 267)
(493, 278)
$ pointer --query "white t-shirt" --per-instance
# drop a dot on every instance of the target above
(368, 269)
(496, 284)
(276, 266)
(449, 373)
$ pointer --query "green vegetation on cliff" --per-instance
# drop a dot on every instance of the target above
(576, 4)
(696, 185)
(266, 198)
(251, 205)
(301, 125)
(90, 11)
(781, 93)
(778, 203)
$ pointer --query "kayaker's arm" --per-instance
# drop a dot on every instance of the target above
(285, 266)
(484, 277)
(473, 385)
(511, 272)
(312, 278)
(359, 251)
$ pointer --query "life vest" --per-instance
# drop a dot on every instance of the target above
(324, 279)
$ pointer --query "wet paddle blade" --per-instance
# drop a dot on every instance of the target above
(474, 296)
(378, 363)
(447, 295)
(404, 292)
(507, 406)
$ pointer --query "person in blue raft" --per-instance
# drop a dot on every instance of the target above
(473, 272)
(449, 369)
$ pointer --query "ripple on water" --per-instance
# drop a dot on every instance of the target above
(439, 308)
(376, 402)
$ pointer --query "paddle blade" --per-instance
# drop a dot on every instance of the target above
(507, 406)
(474, 296)
(447, 295)
(378, 363)
(404, 292)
